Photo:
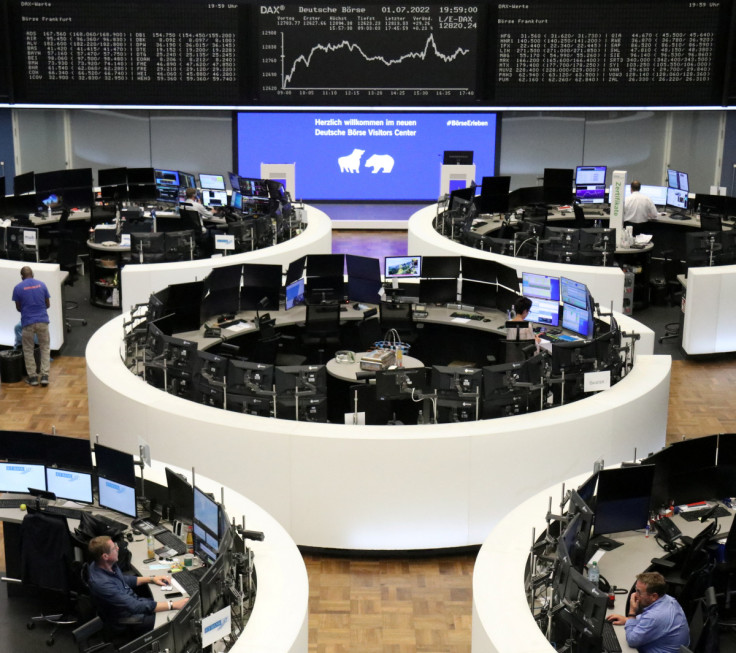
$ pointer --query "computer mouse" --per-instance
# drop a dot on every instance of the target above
(486, 319)
(129, 537)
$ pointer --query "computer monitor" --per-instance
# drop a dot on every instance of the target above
(704, 248)
(364, 290)
(502, 394)
(540, 286)
(260, 280)
(69, 484)
(114, 464)
(67, 452)
(397, 267)
(250, 405)
(20, 476)
(598, 240)
(565, 238)
(311, 408)
(147, 243)
(276, 190)
(573, 292)
(325, 265)
(166, 178)
(214, 197)
(116, 496)
(249, 378)
(573, 356)
(456, 380)
(457, 157)
(545, 312)
(461, 198)
(295, 294)
(186, 625)
(211, 182)
(583, 614)
(236, 200)
(678, 180)
(253, 187)
(494, 195)
(677, 198)
(295, 270)
(557, 185)
(180, 354)
(444, 267)
(304, 378)
(586, 490)
(578, 320)
(24, 184)
(479, 269)
(623, 499)
(213, 586)
(206, 512)
(234, 181)
(400, 383)
(159, 639)
(25, 446)
(363, 267)
(187, 180)
(478, 294)
(180, 496)
(590, 184)
(438, 291)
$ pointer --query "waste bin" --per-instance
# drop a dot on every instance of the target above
(11, 366)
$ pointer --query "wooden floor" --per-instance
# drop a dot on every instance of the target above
(388, 605)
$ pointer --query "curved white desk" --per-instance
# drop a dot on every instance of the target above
(605, 284)
(279, 621)
(378, 487)
(53, 277)
(139, 281)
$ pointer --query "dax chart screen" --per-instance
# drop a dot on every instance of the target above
(371, 53)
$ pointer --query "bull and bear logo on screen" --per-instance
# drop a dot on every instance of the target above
(379, 162)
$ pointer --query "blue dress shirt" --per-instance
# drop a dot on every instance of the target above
(114, 596)
(660, 628)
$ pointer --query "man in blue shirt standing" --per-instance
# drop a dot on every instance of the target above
(655, 622)
(32, 300)
(119, 606)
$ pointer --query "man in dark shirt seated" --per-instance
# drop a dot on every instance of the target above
(118, 605)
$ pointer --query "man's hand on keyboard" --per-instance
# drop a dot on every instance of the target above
(161, 580)
(616, 619)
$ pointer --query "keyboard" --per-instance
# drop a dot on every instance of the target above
(610, 641)
(167, 538)
(146, 527)
(111, 523)
(466, 316)
(71, 513)
(14, 503)
(189, 579)
(694, 515)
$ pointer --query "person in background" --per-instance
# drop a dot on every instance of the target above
(522, 306)
(655, 622)
(32, 300)
(638, 208)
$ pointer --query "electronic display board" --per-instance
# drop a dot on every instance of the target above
(109, 52)
(610, 53)
(357, 53)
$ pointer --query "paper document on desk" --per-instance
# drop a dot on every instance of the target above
(461, 320)
(642, 239)
(241, 326)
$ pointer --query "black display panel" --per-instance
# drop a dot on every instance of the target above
(105, 52)
(577, 52)
(368, 52)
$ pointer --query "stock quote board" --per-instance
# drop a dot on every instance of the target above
(110, 52)
(361, 53)
(610, 53)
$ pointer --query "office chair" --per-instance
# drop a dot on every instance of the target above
(46, 565)
(322, 328)
(704, 624)
(580, 221)
(710, 222)
(398, 315)
(369, 330)
(90, 638)
(269, 348)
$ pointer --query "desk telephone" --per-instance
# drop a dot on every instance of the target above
(667, 530)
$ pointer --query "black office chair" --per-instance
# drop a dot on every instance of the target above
(322, 328)
(270, 348)
(47, 566)
(369, 330)
(398, 316)
(580, 221)
(704, 624)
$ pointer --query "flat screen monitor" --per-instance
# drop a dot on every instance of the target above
(325, 265)
(234, 181)
(20, 476)
(363, 267)
(401, 382)
(212, 365)
(573, 292)
(456, 379)
(577, 320)
(444, 267)
(590, 194)
(479, 269)
(586, 490)
(114, 464)
(677, 198)
(69, 484)
(166, 178)
(478, 294)
(141, 176)
(214, 197)
(68, 453)
(187, 180)
(558, 185)
(211, 182)
(494, 195)
(658, 194)
(462, 197)
(295, 270)
(24, 184)
(253, 187)
(116, 496)
(289, 378)
(186, 625)
(540, 286)
(590, 175)
(159, 639)
(206, 512)
(364, 290)
(180, 496)
(260, 280)
(623, 498)
(457, 157)
(249, 377)
(397, 267)
(112, 176)
(598, 240)
(564, 238)
(438, 291)
(545, 312)
(295, 294)
(678, 180)
(236, 200)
